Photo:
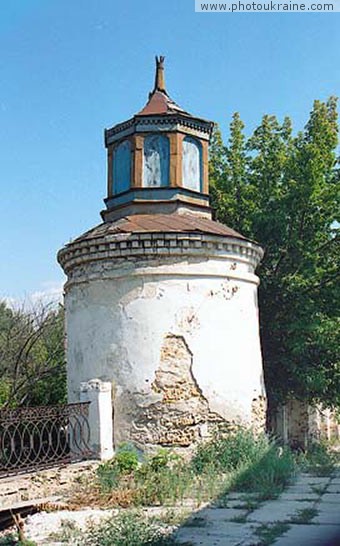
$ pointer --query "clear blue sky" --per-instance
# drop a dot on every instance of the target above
(70, 68)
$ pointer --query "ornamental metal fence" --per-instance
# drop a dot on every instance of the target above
(33, 438)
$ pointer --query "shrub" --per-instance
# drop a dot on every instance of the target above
(124, 463)
(126, 459)
(163, 458)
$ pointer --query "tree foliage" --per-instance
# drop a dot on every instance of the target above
(283, 191)
(32, 360)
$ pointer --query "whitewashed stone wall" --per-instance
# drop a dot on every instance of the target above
(176, 335)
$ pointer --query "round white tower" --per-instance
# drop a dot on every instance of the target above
(161, 301)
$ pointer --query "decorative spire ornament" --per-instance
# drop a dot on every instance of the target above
(159, 77)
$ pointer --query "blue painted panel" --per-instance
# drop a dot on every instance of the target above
(156, 161)
(192, 164)
(122, 167)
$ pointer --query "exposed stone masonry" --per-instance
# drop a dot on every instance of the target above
(259, 408)
(182, 416)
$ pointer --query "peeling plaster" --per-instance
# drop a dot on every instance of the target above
(117, 330)
(181, 412)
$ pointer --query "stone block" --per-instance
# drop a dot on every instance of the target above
(310, 535)
(331, 497)
(279, 510)
(224, 534)
(329, 513)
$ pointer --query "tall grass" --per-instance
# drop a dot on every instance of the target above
(268, 475)
(255, 464)
(227, 451)
(229, 461)
(318, 459)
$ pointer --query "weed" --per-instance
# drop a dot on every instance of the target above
(11, 540)
(123, 464)
(253, 464)
(267, 533)
(226, 452)
(196, 521)
(242, 518)
(230, 461)
(222, 502)
(8, 540)
(248, 504)
(268, 474)
(174, 517)
(126, 529)
(126, 459)
(304, 516)
(69, 530)
(319, 489)
(318, 460)
(108, 476)
(163, 458)
(164, 485)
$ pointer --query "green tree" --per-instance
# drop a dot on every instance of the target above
(228, 175)
(283, 191)
(32, 359)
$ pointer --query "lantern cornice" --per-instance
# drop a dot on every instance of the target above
(158, 122)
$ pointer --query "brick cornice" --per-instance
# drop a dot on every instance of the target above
(117, 248)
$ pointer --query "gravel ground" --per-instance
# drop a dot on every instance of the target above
(40, 526)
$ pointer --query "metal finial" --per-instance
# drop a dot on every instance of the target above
(159, 79)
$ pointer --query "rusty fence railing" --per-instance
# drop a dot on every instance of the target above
(38, 437)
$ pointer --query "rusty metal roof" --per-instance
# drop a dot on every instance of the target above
(160, 103)
(160, 223)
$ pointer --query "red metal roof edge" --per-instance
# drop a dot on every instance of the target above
(160, 103)
(141, 223)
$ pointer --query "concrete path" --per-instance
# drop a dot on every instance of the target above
(306, 514)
